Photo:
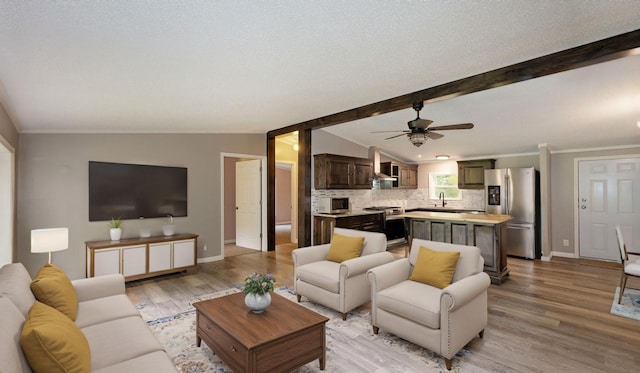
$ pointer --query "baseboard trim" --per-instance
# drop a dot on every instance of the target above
(562, 254)
(229, 241)
(210, 259)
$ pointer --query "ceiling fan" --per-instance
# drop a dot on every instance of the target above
(419, 130)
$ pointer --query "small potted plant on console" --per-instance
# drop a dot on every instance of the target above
(115, 230)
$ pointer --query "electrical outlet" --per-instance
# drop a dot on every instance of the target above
(205, 247)
(565, 242)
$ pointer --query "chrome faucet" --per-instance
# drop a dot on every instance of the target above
(441, 197)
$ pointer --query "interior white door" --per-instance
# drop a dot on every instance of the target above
(608, 195)
(248, 204)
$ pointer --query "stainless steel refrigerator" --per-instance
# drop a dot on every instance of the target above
(514, 191)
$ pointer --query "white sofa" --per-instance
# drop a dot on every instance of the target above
(119, 340)
(340, 286)
(441, 320)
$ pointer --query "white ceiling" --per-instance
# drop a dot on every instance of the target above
(254, 66)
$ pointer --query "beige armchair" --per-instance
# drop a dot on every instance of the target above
(340, 286)
(441, 320)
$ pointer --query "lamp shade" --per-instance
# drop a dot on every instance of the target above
(48, 240)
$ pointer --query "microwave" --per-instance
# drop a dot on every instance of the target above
(333, 205)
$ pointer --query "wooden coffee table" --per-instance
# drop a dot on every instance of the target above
(285, 336)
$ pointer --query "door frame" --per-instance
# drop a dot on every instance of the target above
(263, 204)
(9, 229)
(576, 194)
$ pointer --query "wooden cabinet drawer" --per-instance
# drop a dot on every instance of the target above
(372, 223)
(229, 349)
(349, 222)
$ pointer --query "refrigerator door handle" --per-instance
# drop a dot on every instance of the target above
(521, 227)
(507, 197)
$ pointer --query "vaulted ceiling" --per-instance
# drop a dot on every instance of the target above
(250, 67)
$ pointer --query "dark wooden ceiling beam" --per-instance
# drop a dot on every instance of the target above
(599, 51)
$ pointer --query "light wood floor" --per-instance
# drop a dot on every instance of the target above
(546, 317)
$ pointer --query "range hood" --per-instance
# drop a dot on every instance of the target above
(374, 155)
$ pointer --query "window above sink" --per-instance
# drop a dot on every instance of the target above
(446, 183)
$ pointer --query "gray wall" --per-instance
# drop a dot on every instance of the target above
(53, 186)
(519, 161)
(325, 142)
(562, 194)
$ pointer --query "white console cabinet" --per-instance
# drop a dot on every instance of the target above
(138, 258)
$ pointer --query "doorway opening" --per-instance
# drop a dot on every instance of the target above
(286, 189)
(243, 214)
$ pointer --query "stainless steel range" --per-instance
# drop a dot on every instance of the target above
(393, 224)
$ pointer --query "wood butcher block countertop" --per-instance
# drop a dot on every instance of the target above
(465, 217)
(349, 213)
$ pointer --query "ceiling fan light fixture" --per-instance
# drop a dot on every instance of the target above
(417, 138)
(442, 157)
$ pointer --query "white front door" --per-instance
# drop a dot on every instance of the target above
(248, 204)
(608, 195)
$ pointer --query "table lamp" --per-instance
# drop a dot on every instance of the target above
(49, 240)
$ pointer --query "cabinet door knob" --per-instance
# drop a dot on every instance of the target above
(233, 349)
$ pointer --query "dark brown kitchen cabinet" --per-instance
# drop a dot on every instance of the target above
(323, 225)
(406, 175)
(340, 172)
(471, 173)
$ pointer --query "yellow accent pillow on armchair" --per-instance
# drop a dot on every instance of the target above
(435, 268)
(344, 248)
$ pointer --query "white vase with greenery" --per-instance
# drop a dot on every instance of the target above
(257, 287)
(115, 230)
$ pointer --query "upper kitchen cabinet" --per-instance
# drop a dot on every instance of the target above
(471, 173)
(340, 172)
(406, 175)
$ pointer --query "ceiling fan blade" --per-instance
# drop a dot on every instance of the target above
(389, 131)
(433, 135)
(393, 137)
(461, 126)
(419, 123)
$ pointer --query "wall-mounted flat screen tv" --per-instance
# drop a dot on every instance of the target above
(133, 191)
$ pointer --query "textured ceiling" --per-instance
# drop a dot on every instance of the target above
(249, 66)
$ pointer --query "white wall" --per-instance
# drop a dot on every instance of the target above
(53, 186)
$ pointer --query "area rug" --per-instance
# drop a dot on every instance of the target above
(630, 305)
(351, 346)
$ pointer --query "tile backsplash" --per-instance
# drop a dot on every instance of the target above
(405, 198)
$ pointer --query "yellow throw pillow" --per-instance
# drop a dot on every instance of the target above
(52, 343)
(52, 287)
(435, 268)
(344, 248)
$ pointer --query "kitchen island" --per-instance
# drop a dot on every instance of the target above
(474, 229)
